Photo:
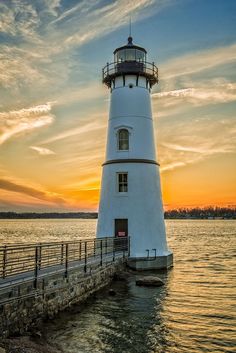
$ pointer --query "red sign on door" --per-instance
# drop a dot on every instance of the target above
(121, 234)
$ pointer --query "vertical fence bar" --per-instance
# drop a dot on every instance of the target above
(94, 248)
(36, 268)
(106, 245)
(4, 264)
(128, 246)
(114, 245)
(62, 253)
(85, 257)
(40, 256)
(67, 260)
(80, 250)
(124, 246)
(101, 252)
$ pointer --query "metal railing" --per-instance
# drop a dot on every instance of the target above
(34, 259)
(144, 68)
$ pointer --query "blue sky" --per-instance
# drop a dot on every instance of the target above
(53, 106)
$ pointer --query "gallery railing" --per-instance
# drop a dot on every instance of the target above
(42, 258)
(142, 68)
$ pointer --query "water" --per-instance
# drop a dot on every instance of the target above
(192, 313)
(41, 230)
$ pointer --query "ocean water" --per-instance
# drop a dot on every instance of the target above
(193, 312)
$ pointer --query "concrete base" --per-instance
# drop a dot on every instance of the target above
(144, 263)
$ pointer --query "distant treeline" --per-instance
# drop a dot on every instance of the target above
(47, 215)
(182, 213)
(202, 213)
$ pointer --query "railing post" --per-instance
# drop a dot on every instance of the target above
(39, 256)
(85, 257)
(67, 260)
(36, 268)
(4, 265)
(114, 244)
(80, 250)
(62, 253)
(101, 252)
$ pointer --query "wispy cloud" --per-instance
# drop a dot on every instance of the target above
(42, 151)
(221, 93)
(198, 61)
(190, 141)
(30, 191)
(202, 93)
(84, 128)
(104, 18)
(21, 121)
(48, 34)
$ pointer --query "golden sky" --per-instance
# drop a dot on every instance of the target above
(54, 108)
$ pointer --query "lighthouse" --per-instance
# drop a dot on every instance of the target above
(130, 200)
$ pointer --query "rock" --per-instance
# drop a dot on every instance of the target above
(36, 334)
(120, 276)
(149, 281)
(112, 292)
(2, 350)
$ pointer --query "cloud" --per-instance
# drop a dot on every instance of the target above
(30, 191)
(42, 151)
(202, 93)
(191, 143)
(84, 129)
(47, 35)
(198, 61)
(97, 18)
(222, 93)
(18, 121)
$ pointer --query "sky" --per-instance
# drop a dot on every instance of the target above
(54, 107)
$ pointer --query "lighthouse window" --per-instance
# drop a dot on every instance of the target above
(140, 55)
(123, 182)
(130, 54)
(123, 140)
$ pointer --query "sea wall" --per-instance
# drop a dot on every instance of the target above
(24, 307)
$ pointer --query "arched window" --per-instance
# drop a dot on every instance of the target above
(123, 140)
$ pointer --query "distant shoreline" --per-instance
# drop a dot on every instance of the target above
(210, 213)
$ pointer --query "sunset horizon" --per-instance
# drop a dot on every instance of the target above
(54, 107)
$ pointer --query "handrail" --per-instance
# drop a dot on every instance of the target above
(18, 259)
(143, 68)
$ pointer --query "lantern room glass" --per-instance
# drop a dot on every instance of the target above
(130, 54)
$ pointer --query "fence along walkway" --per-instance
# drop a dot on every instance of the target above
(26, 262)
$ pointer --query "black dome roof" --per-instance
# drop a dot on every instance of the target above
(130, 45)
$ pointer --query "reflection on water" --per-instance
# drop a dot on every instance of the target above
(44, 230)
(123, 323)
(192, 313)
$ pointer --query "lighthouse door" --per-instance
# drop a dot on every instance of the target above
(121, 227)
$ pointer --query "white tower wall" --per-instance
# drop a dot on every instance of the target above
(141, 205)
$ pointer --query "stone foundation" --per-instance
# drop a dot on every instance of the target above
(24, 307)
(144, 263)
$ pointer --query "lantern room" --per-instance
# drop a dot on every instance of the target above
(130, 59)
(130, 52)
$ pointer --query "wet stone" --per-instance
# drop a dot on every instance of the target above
(149, 281)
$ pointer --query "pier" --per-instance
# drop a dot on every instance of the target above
(39, 280)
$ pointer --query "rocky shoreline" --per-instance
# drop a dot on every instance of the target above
(26, 344)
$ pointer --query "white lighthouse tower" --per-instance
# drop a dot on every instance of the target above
(130, 200)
